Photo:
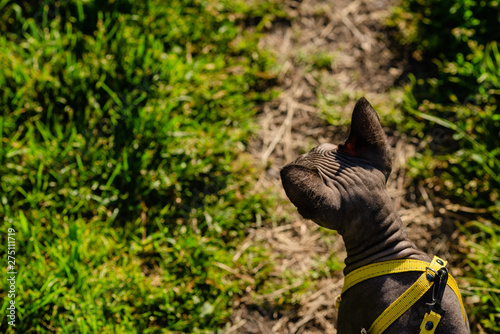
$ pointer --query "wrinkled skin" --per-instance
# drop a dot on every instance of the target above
(344, 188)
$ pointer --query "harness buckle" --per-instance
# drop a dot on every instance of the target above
(440, 281)
(432, 318)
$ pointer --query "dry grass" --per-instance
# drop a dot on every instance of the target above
(351, 33)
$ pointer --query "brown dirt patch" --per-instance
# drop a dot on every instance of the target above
(351, 34)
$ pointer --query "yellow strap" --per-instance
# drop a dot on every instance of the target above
(406, 300)
(453, 285)
(430, 322)
(382, 268)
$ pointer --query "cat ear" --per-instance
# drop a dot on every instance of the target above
(367, 139)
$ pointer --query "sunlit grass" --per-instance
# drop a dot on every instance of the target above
(123, 166)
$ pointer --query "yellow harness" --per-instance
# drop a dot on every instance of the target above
(431, 273)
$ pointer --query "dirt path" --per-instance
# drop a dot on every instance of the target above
(332, 53)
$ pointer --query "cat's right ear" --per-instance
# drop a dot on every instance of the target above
(367, 139)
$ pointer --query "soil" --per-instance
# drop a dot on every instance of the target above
(364, 63)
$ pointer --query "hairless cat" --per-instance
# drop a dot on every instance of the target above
(344, 188)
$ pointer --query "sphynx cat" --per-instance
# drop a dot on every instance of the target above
(344, 188)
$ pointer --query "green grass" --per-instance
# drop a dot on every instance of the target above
(483, 241)
(122, 160)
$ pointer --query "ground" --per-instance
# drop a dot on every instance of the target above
(330, 54)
